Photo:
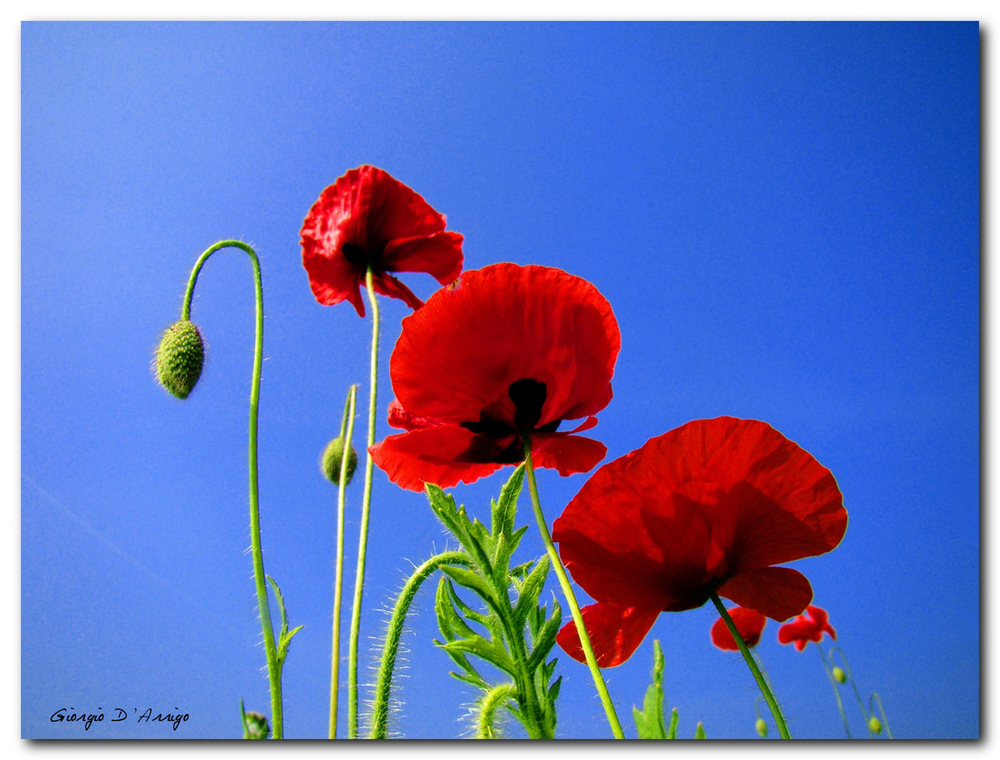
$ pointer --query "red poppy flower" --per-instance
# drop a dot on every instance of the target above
(709, 507)
(806, 628)
(748, 622)
(367, 218)
(509, 351)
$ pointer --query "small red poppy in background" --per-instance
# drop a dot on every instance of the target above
(707, 508)
(367, 218)
(748, 622)
(509, 352)
(806, 628)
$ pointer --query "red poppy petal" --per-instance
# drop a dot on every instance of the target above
(614, 632)
(566, 453)
(778, 592)
(400, 418)
(799, 629)
(439, 255)
(784, 504)
(459, 354)
(332, 279)
(388, 285)
(411, 214)
(430, 455)
(625, 547)
(748, 622)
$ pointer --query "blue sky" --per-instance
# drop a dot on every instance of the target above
(784, 217)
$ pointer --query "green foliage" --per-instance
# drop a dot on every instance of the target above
(513, 633)
(285, 636)
(649, 721)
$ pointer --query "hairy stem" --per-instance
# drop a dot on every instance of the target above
(488, 708)
(567, 588)
(779, 719)
(273, 669)
(380, 710)
(359, 581)
(836, 692)
(346, 435)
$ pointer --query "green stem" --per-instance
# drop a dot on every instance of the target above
(273, 669)
(836, 692)
(380, 710)
(488, 708)
(779, 719)
(881, 709)
(854, 686)
(352, 708)
(567, 588)
(347, 436)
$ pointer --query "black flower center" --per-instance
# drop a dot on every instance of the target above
(354, 254)
(529, 397)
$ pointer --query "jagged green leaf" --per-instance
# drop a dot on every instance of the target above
(450, 622)
(672, 730)
(505, 508)
(528, 599)
(491, 651)
(471, 580)
(544, 642)
(649, 720)
(699, 731)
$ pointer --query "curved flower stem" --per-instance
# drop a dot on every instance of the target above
(836, 692)
(346, 435)
(359, 582)
(881, 709)
(567, 588)
(488, 708)
(779, 719)
(273, 667)
(380, 710)
(854, 686)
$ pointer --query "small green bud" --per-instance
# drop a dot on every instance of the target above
(762, 728)
(179, 358)
(838, 675)
(875, 725)
(333, 456)
(256, 724)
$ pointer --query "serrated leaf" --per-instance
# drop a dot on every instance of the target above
(528, 599)
(505, 508)
(491, 651)
(699, 731)
(554, 691)
(649, 720)
(544, 643)
(672, 730)
(450, 622)
(470, 580)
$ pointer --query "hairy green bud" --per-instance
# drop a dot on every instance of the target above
(838, 675)
(333, 456)
(179, 358)
(875, 725)
(762, 728)
(256, 725)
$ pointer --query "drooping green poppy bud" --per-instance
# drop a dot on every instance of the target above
(333, 456)
(762, 728)
(179, 358)
(875, 725)
(257, 727)
(838, 675)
